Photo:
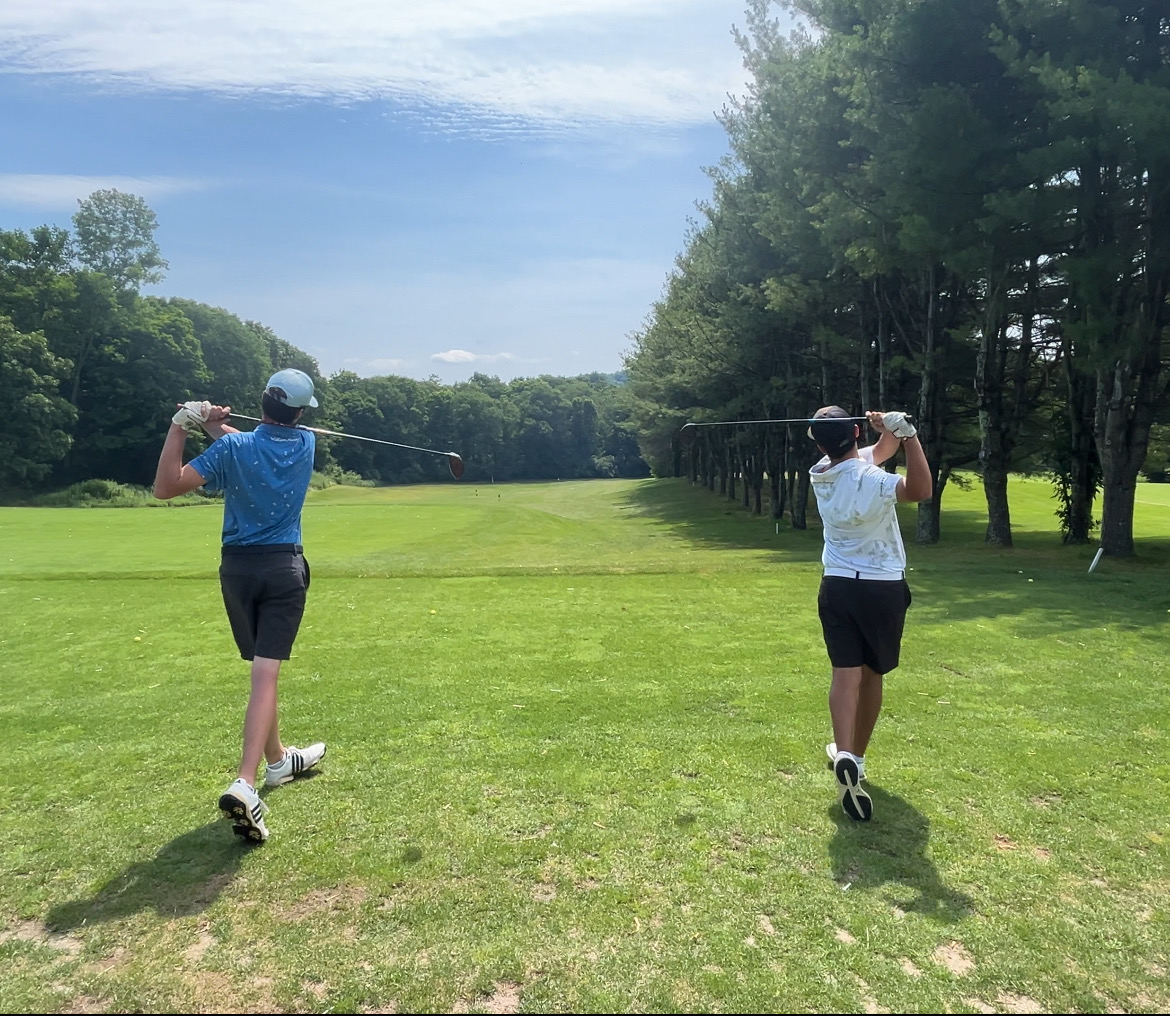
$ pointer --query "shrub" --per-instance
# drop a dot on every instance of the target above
(111, 494)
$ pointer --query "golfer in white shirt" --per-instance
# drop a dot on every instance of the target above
(863, 596)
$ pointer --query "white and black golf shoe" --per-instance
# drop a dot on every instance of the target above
(855, 801)
(296, 762)
(831, 751)
(241, 806)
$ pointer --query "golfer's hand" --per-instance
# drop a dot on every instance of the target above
(875, 421)
(191, 415)
(218, 415)
(899, 426)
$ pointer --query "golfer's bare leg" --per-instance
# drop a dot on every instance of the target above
(260, 731)
(869, 705)
(274, 747)
(844, 693)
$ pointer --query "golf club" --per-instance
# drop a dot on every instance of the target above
(689, 431)
(454, 462)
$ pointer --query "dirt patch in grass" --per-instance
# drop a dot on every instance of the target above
(505, 998)
(841, 935)
(869, 1003)
(1005, 842)
(978, 1005)
(319, 901)
(955, 958)
(544, 892)
(108, 963)
(35, 931)
(86, 1003)
(1018, 1003)
(909, 969)
(194, 952)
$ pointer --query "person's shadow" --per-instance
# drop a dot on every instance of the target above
(891, 847)
(183, 878)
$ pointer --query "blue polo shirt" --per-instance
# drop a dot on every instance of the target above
(264, 476)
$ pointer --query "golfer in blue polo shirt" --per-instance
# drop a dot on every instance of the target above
(264, 475)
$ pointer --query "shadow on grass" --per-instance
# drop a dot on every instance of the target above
(705, 517)
(183, 878)
(893, 848)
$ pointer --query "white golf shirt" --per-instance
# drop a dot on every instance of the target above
(856, 501)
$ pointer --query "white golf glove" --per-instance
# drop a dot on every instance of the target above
(898, 425)
(192, 415)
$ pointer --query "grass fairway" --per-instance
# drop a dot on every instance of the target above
(576, 764)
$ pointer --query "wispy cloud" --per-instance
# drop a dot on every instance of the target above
(513, 62)
(55, 191)
(384, 363)
(463, 356)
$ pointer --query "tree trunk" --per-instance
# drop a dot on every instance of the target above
(1125, 412)
(929, 527)
(929, 422)
(800, 501)
(1077, 487)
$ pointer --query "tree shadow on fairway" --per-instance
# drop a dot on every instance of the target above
(699, 515)
(183, 878)
(892, 847)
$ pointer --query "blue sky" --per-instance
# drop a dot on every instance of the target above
(396, 186)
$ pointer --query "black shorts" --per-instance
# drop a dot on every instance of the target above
(264, 593)
(862, 621)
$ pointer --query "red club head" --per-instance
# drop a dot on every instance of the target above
(456, 464)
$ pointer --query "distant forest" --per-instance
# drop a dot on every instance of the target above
(90, 371)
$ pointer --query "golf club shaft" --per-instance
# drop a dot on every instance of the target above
(749, 423)
(355, 437)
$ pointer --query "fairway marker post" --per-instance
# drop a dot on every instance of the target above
(1096, 558)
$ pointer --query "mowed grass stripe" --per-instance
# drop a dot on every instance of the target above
(595, 791)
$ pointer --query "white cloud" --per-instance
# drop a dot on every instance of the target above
(383, 363)
(548, 61)
(463, 356)
(56, 191)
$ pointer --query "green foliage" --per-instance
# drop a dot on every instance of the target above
(38, 420)
(111, 494)
(956, 209)
(237, 359)
(115, 236)
(1157, 464)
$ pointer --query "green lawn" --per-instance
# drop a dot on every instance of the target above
(576, 764)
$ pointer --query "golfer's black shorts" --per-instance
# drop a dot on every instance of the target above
(862, 621)
(264, 592)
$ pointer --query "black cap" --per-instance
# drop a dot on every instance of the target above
(834, 430)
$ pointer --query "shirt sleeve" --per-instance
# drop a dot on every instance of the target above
(889, 484)
(211, 464)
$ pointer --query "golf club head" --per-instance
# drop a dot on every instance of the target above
(687, 434)
(456, 464)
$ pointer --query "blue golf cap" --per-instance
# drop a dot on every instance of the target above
(292, 387)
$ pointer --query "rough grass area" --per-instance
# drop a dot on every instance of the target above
(576, 765)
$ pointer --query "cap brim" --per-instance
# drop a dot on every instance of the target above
(312, 402)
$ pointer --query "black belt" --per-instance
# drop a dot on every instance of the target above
(233, 550)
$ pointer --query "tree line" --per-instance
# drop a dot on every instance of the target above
(961, 210)
(90, 371)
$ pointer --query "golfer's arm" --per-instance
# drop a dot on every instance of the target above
(886, 447)
(917, 485)
(217, 430)
(172, 478)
